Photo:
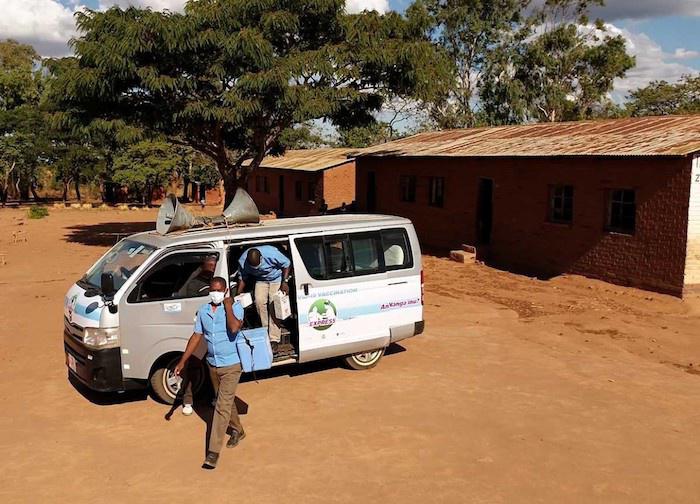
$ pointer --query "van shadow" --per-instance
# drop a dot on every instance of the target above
(108, 398)
(293, 370)
(106, 233)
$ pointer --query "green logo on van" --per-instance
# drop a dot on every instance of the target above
(322, 314)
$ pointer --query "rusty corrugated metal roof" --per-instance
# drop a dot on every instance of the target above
(308, 159)
(642, 136)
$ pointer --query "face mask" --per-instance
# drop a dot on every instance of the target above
(216, 297)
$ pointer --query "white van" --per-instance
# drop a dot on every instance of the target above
(356, 287)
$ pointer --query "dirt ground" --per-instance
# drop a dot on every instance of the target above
(520, 390)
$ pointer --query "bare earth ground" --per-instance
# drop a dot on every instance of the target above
(568, 390)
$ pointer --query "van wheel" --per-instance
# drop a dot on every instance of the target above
(364, 360)
(165, 385)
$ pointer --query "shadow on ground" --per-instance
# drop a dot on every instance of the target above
(204, 396)
(105, 234)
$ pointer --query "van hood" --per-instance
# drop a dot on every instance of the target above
(81, 310)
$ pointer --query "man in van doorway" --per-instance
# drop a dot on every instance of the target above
(269, 269)
(218, 322)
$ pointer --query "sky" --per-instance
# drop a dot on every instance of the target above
(664, 35)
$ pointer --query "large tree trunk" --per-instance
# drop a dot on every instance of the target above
(65, 191)
(186, 189)
(77, 190)
(231, 183)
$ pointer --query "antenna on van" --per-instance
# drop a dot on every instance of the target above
(172, 216)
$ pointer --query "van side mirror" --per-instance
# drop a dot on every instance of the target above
(107, 284)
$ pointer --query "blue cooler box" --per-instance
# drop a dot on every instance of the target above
(254, 349)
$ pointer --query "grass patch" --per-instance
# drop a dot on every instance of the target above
(38, 212)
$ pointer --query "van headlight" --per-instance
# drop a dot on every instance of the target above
(98, 338)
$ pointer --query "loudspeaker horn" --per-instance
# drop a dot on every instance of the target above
(242, 209)
(172, 216)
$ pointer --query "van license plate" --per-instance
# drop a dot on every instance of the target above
(71, 362)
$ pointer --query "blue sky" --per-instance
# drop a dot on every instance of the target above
(664, 35)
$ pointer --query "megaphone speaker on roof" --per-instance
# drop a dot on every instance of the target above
(172, 216)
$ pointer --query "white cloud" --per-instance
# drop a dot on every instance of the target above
(353, 6)
(46, 24)
(683, 53)
(652, 62)
(641, 9)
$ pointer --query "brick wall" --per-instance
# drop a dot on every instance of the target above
(692, 261)
(339, 185)
(270, 201)
(334, 185)
(523, 240)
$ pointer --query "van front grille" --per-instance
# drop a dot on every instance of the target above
(74, 330)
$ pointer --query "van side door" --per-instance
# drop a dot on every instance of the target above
(157, 314)
(345, 292)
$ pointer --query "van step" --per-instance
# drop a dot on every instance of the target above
(284, 351)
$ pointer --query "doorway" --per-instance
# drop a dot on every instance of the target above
(484, 211)
(371, 192)
(281, 195)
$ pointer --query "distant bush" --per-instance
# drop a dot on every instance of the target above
(38, 212)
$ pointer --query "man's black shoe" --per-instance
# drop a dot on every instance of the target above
(210, 461)
(236, 437)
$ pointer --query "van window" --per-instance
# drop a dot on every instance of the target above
(311, 251)
(355, 254)
(177, 276)
(338, 257)
(365, 252)
(397, 252)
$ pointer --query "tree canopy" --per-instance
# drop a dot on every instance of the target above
(229, 77)
(663, 98)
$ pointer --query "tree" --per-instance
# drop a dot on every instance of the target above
(663, 98)
(563, 70)
(145, 166)
(76, 164)
(229, 77)
(468, 31)
(23, 133)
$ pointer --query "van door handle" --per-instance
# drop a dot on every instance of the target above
(306, 288)
(399, 283)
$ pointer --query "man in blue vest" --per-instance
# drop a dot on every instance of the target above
(218, 322)
(269, 269)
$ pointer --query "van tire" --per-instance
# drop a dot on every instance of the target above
(364, 360)
(159, 388)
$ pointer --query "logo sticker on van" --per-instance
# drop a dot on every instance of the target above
(322, 314)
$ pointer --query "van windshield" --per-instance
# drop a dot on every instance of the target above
(121, 261)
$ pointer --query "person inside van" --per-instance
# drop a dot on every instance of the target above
(196, 285)
(218, 322)
(198, 282)
(269, 269)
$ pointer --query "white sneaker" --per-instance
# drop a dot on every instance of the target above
(187, 409)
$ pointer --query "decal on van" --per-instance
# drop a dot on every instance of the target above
(71, 307)
(322, 314)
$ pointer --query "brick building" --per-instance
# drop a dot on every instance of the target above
(300, 181)
(617, 200)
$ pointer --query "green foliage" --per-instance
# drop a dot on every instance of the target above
(363, 136)
(20, 83)
(518, 61)
(146, 165)
(468, 31)
(37, 212)
(230, 77)
(662, 98)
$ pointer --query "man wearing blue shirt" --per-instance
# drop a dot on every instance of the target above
(219, 321)
(269, 269)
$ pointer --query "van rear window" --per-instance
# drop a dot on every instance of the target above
(355, 254)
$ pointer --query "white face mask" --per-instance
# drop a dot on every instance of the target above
(217, 297)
